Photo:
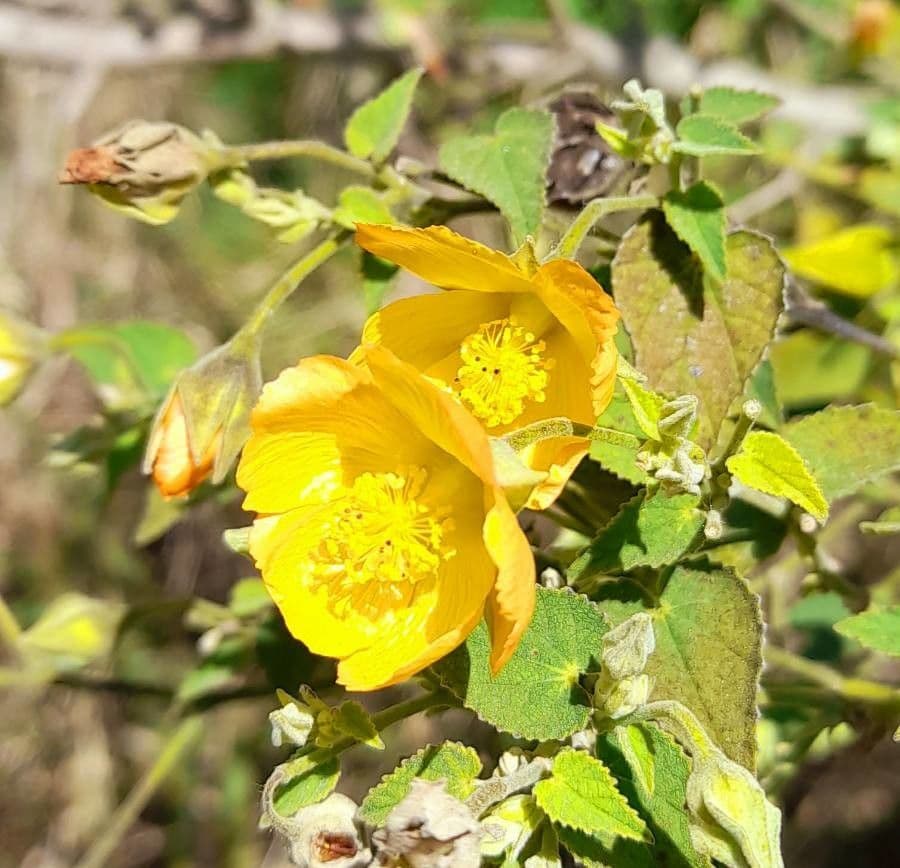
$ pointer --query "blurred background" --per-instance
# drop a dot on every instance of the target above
(256, 70)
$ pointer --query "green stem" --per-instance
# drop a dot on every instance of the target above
(176, 747)
(594, 211)
(288, 282)
(851, 689)
(238, 154)
(382, 720)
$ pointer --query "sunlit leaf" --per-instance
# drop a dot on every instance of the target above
(736, 106)
(507, 167)
(536, 694)
(375, 127)
(706, 135)
(878, 629)
(698, 217)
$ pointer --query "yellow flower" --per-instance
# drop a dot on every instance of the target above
(516, 342)
(382, 535)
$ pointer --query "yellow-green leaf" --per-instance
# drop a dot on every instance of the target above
(856, 261)
(373, 129)
(769, 463)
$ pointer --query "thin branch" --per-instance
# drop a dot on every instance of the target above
(803, 309)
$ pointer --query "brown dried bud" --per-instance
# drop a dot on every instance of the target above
(582, 166)
(429, 829)
(144, 168)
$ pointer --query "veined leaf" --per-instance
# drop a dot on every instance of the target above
(375, 127)
(307, 788)
(455, 763)
(507, 167)
(846, 447)
(698, 217)
(581, 794)
(536, 695)
(770, 464)
(691, 335)
(708, 632)
(648, 531)
(704, 135)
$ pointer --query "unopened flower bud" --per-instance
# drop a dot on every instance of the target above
(621, 698)
(627, 648)
(291, 724)
(205, 420)
(144, 169)
(21, 348)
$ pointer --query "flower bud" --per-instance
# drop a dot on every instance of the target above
(205, 420)
(627, 648)
(21, 348)
(291, 724)
(144, 169)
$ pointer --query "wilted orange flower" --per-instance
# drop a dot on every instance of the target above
(383, 534)
(515, 341)
(172, 464)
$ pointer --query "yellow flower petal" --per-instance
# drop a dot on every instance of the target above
(558, 457)
(440, 256)
(511, 602)
(317, 423)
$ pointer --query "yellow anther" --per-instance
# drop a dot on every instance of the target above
(377, 541)
(502, 369)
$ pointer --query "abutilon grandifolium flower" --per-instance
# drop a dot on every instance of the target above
(383, 534)
(516, 342)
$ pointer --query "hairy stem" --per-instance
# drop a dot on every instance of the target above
(238, 154)
(176, 747)
(289, 281)
(495, 790)
(594, 211)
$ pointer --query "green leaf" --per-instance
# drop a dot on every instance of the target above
(249, 597)
(662, 808)
(857, 261)
(581, 794)
(708, 635)
(770, 464)
(361, 205)
(846, 447)
(878, 629)
(818, 610)
(646, 406)
(649, 531)
(620, 458)
(73, 631)
(457, 764)
(130, 361)
(886, 524)
(375, 127)
(309, 787)
(691, 335)
(351, 719)
(698, 217)
(736, 106)
(507, 167)
(536, 695)
(705, 135)
(812, 369)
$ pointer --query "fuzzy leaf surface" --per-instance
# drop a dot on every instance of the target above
(508, 167)
(536, 695)
(698, 217)
(648, 531)
(457, 764)
(581, 794)
(374, 128)
(846, 447)
(708, 633)
(767, 462)
(691, 335)
(307, 788)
